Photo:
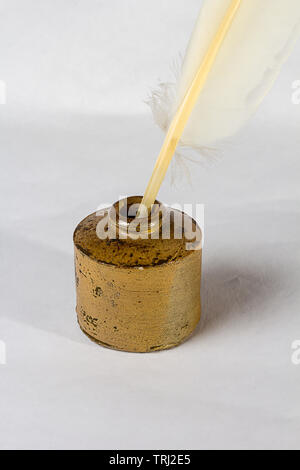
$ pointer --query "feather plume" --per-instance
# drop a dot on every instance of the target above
(257, 39)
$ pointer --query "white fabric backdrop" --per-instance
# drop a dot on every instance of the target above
(74, 133)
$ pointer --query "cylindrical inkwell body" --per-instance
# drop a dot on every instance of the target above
(138, 286)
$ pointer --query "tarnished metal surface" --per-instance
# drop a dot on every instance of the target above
(135, 295)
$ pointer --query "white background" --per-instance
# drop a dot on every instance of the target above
(75, 133)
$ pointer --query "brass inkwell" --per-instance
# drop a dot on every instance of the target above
(138, 280)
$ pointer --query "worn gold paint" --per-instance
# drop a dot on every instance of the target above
(135, 295)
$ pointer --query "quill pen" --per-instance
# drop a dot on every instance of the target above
(234, 56)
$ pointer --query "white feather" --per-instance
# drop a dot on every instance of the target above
(259, 41)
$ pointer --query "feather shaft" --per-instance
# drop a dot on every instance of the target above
(185, 109)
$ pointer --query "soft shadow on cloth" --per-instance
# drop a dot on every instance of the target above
(39, 287)
(232, 293)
